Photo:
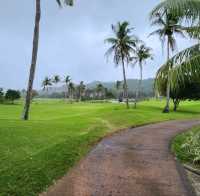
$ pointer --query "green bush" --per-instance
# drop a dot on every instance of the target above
(191, 147)
(187, 146)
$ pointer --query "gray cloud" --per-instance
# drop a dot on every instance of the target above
(71, 41)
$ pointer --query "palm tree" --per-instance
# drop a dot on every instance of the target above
(141, 55)
(100, 90)
(71, 89)
(169, 26)
(25, 114)
(122, 45)
(56, 79)
(67, 81)
(46, 83)
(187, 61)
(81, 89)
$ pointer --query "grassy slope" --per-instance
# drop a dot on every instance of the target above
(35, 153)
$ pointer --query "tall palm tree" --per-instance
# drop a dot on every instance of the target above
(67, 81)
(122, 45)
(169, 25)
(186, 61)
(46, 83)
(25, 114)
(141, 55)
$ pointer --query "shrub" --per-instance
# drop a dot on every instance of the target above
(12, 95)
(191, 147)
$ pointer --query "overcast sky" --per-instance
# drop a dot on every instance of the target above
(71, 40)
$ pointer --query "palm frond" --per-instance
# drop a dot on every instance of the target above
(188, 9)
(185, 67)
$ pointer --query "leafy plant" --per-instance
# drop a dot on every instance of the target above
(191, 147)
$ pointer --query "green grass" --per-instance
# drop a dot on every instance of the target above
(186, 147)
(35, 153)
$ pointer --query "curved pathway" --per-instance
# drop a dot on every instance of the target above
(136, 162)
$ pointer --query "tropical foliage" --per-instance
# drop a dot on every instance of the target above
(169, 25)
(141, 55)
(187, 146)
(184, 65)
(122, 46)
(46, 83)
(36, 36)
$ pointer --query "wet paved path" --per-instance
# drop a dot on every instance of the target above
(136, 162)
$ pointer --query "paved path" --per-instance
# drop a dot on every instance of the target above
(136, 162)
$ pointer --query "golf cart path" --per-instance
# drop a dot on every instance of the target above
(135, 162)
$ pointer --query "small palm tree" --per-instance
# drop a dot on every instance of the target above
(169, 26)
(81, 89)
(56, 79)
(122, 45)
(100, 90)
(141, 55)
(46, 83)
(67, 81)
(25, 114)
(71, 89)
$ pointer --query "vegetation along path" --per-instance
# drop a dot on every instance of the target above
(136, 162)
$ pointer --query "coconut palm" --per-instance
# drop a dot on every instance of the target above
(71, 89)
(81, 89)
(46, 83)
(67, 81)
(188, 60)
(141, 55)
(25, 114)
(56, 79)
(169, 25)
(122, 45)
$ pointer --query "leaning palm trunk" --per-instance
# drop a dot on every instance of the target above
(125, 85)
(139, 88)
(166, 109)
(25, 115)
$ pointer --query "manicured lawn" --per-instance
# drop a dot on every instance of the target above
(35, 153)
(186, 146)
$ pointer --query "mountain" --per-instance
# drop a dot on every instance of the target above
(147, 85)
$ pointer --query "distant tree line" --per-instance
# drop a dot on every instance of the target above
(80, 92)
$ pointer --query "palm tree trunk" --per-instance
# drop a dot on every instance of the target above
(66, 91)
(139, 88)
(166, 109)
(125, 85)
(25, 115)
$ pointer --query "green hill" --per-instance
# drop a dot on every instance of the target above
(147, 85)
